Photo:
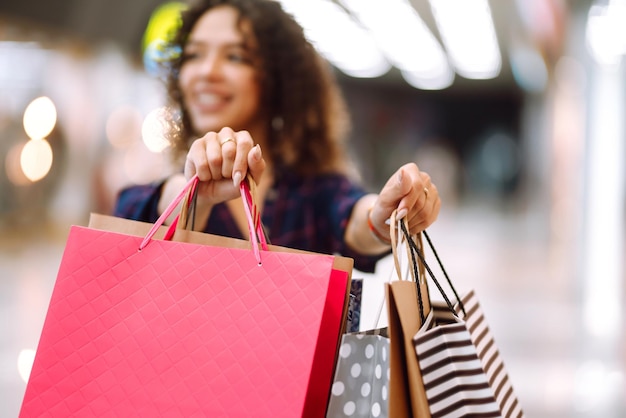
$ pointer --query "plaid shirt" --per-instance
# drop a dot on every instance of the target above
(308, 214)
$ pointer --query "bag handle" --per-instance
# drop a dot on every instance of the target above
(167, 212)
(254, 225)
(253, 216)
(397, 238)
(247, 190)
(397, 241)
(415, 250)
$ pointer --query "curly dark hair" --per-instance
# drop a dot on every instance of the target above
(307, 119)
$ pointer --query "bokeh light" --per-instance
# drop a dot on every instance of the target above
(40, 117)
(25, 363)
(12, 166)
(36, 159)
(155, 129)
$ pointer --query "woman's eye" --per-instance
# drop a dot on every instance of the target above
(187, 56)
(236, 58)
(239, 57)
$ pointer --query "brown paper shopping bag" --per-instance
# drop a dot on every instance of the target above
(407, 398)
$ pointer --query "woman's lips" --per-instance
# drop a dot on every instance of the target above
(209, 99)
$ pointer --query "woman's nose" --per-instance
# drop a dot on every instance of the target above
(211, 66)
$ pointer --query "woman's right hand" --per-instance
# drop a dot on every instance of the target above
(222, 160)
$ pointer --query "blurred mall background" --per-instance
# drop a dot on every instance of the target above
(515, 107)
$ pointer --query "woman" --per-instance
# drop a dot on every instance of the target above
(255, 97)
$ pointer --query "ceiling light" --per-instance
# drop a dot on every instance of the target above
(606, 32)
(338, 37)
(405, 40)
(467, 31)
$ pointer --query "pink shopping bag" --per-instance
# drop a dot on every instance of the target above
(139, 326)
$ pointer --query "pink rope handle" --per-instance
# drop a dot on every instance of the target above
(172, 229)
(167, 212)
(169, 234)
(244, 190)
(253, 217)
(246, 194)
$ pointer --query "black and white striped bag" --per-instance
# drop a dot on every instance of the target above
(462, 371)
(489, 356)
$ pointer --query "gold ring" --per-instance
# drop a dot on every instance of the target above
(226, 140)
(426, 191)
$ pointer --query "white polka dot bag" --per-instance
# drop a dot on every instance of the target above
(361, 383)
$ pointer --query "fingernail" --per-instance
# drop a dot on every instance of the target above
(237, 178)
(257, 152)
(400, 175)
(401, 213)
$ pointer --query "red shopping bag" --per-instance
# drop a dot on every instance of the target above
(147, 327)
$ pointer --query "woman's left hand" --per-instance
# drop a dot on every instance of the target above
(412, 193)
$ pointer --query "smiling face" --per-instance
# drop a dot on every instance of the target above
(218, 79)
